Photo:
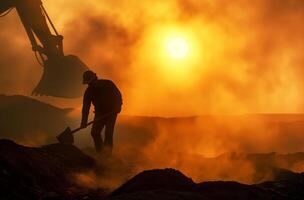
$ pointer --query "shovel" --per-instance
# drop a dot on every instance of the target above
(67, 137)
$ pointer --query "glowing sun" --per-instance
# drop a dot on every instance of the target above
(177, 47)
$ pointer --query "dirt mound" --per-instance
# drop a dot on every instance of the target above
(165, 179)
(172, 184)
(219, 190)
(70, 156)
(288, 184)
(28, 173)
(35, 173)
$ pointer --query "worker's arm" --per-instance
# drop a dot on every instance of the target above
(87, 99)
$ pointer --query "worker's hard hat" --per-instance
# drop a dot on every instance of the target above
(88, 77)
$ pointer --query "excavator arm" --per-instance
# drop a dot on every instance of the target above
(5, 5)
(61, 74)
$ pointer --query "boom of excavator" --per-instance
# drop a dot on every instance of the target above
(61, 74)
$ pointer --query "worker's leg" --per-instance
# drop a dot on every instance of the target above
(96, 135)
(109, 130)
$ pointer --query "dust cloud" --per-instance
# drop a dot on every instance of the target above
(244, 57)
(244, 148)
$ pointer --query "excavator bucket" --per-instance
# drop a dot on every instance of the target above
(62, 78)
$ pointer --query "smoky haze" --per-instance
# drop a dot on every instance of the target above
(249, 54)
(244, 57)
(244, 148)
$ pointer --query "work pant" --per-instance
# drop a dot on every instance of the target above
(103, 146)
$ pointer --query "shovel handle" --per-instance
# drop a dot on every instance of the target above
(91, 122)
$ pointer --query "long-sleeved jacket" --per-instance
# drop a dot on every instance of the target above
(105, 97)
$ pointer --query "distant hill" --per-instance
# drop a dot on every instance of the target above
(29, 120)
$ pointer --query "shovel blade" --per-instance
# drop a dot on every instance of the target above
(66, 137)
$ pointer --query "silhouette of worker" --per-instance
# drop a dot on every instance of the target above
(107, 101)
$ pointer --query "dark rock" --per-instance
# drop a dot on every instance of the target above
(70, 156)
(288, 184)
(157, 179)
(219, 190)
(172, 184)
(41, 173)
(28, 173)
(159, 195)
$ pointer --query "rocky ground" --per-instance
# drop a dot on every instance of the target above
(48, 173)
(42, 173)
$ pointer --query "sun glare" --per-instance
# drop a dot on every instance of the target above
(173, 53)
(177, 47)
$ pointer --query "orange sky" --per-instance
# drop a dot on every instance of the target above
(243, 56)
